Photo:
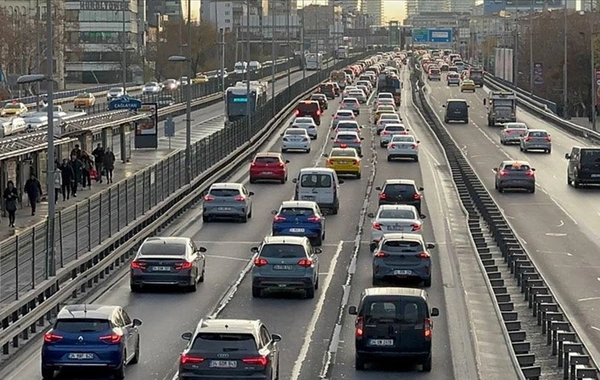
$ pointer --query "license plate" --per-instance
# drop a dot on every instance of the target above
(161, 269)
(80, 356)
(342, 162)
(402, 272)
(395, 228)
(595, 175)
(381, 342)
(269, 173)
(223, 364)
(297, 230)
(308, 198)
(224, 208)
(282, 267)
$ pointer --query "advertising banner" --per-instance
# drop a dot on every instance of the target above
(598, 87)
(508, 65)
(499, 63)
(146, 129)
(538, 74)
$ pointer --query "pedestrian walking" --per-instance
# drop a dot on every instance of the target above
(11, 197)
(109, 165)
(76, 151)
(57, 182)
(67, 176)
(77, 167)
(98, 154)
(86, 171)
(33, 188)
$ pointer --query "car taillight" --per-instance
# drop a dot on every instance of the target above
(281, 165)
(503, 172)
(260, 360)
(208, 198)
(260, 262)
(528, 138)
(278, 218)
(530, 173)
(548, 138)
(297, 112)
(416, 196)
(318, 113)
(50, 337)
(385, 133)
(336, 140)
(330, 162)
(183, 265)
(415, 146)
(314, 218)
(240, 198)
(355, 162)
(357, 141)
(423, 255)
(381, 254)
(382, 196)
(252, 165)
(416, 227)
(335, 117)
(377, 226)
(190, 359)
(306, 263)
(427, 327)
(112, 338)
(359, 326)
(138, 265)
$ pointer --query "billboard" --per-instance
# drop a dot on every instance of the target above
(503, 64)
(432, 35)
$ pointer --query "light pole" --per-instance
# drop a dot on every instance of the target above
(302, 60)
(188, 116)
(38, 51)
(531, 64)
(592, 66)
(248, 108)
(274, 57)
(565, 71)
(125, 8)
(289, 47)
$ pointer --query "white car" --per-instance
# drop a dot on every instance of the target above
(348, 126)
(385, 95)
(306, 123)
(347, 90)
(391, 130)
(151, 88)
(358, 94)
(365, 83)
(395, 219)
(115, 93)
(295, 139)
(512, 133)
(342, 115)
(387, 118)
(365, 89)
(403, 146)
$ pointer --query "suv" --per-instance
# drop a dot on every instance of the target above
(91, 336)
(402, 256)
(400, 192)
(310, 108)
(393, 323)
(322, 99)
(227, 200)
(584, 166)
(230, 348)
(285, 262)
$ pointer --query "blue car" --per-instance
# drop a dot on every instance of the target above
(91, 336)
(300, 218)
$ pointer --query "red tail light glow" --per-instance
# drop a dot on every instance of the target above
(208, 198)
(306, 263)
(260, 262)
(49, 337)
(138, 265)
(330, 162)
(297, 112)
(428, 326)
(336, 140)
(252, 165)
(343, 145)
(527, 138)
(359, 325)
(416, 227)
(415, 146)
(355, 162)
(377, 226)
(189, 359)
(381, 254)
(416, 196)
(183, 265)
(382, 196)
(503, 172)
(112, 338)
(548, 138)
(239, 198)
(530, 173)
(318, 113)
(260, 360)
(314, 218)
(278, 218)
(423, 255)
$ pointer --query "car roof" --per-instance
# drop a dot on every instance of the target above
(309, 102)
(224, 326)
(351, 98)
(168, 240)
(87, 311)
(305, 204)
(295, 240)
(317, 171)
(226, 185)
(345, 111)
(304, 131)
(400, 182)
(397, 207)
(319, 95)
(514, 124)
(268, 154)
(404, 236)
(536, 130)
(517, 162)
(384, 291)
(395, 115)
(345, 122)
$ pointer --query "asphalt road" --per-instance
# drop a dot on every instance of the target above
(558, 225)
(306, 325)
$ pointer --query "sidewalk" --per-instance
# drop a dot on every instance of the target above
(584, 122)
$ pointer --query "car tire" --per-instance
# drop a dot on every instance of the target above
(283, 180)
(426, 365)
(205, 219)
(389, 158)
(308, 150)
(576, 183)
(500, 189)
(256, 292)
(250, 214)
(427, 283)
(446, 120)
(244, 219)
(201, 279)
(520, 148)
(416, 158)
(136, 357)
(318, 242)
(283, 150)
(358, 176)
(193, 287)
(252, 180)
(359, 363)
(382, 145)
(310, 292)
(334, 210)
(119, 373)
(532, 190)
(135, 288)
(47, 373)
(502, 142)
(524, 150)
(548, 151)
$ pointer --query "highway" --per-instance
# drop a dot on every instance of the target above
(558, 225)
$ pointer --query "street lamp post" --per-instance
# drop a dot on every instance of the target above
(565, 71)
(273, 56)
(531, 64)
(248, 108)
(302, 58)
(289, 46)
(592, 67)
(38, 52)
(188, 116)
(125, 8)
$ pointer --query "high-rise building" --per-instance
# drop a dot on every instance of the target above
(462, 5)
(495, 6)
(374, 9)
(175, 10)
(414, 7)
(347, 5)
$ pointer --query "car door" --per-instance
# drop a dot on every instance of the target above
(248, 198)
(315, 258)
(573, 161)
(267, 342)
(192, 256)
(132, 332)
(119, 322)
(199, 258)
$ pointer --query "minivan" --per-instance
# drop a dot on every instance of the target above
(310, 108)
(584, 166)
(320, 185)
(393, 323)
(456, 110)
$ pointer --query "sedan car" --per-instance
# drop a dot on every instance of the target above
(403, 146)
(84, 100)
(536, 139)
(344, 160)
(388, 102)
(389, 131)
(200, 78)
(308, 124)
(13, 109)
(514, 175)
(348, 126)
(299, 218)
(269, 166)
(381, 110)
(467, 85)
(512, 133)
(350, 103)
(341, 115)
(453, 79)
(387, 118)
(171, 85)
(295, 139)
(350, 139)
(394, 218)
(364, 89)
(165, 101)
(151, 88)
(227, 200)
(285, 263)
(115, 93)
(167, 261)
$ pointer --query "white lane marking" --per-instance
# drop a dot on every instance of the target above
(564, 210)
(554, 234)
(588, 299)
(561, 224)
(555, 252)
(595, 328)
(316, 314)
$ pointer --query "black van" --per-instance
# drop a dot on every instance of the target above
(456, 110)
(310, 108)
(393, 323)
(584, 166)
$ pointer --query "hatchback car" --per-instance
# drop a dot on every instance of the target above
(299, 218)
(393, 323)
(387, 118)
(295, 139)
(350, 104)
(359, 95)
(308, 124)
(344, 160)
(394, 218)
(350, 139)
(151, 88)
(467, 85)
(512, 133)
(322, 99)
(453, 79)
(227, 200)
(230, 349)
(514, 175)
(536, 139)
(285, 263)
(167, 261)
(403, 146)
(269, 166)
(389, 131)
(342, 115)
(91, 336)
(400, 192)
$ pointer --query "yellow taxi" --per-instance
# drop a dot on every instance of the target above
(381, 110)
(13, 109)
(200, 78)
(344, 160)
(467, 85)
(84, 100)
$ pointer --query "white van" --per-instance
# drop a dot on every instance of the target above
(240, 67)
(320, 185)
(254, 66)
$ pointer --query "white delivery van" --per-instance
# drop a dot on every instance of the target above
(240, 67)
(320, 185)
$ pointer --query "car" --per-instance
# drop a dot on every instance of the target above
(386, 101)
(467, 85)
(387, 118)
(364, 89)
(115, 93)
(322, 99)
(512, 133)
(151, 88)
(319, 184)
(84, 100)
(227, 200)
(394, 219)
(385, 95)
(349, 126)
(403, 146)
(309, 108)
(165, 101)
(348, 89)
(350, 103)
(171, 84)
(306, 123)
(456, 110)
(393, 323)
(342, 115)
(444, 67)
(536, 139)
(344, 160)
(400, 192)
(365, 83)
(91, 336)
(512, 174)
(583, 168)
(327, 89)
(299, 218)
(359, 95)
(270, 166)
(167, 261)
(386, 108)
(285, 263)
(200, 78)
(336, 89)
(295, 139)
(13, 108)
(453, 69)
(230, 349)
(350, 139)
(389, 131)
(452, 79)
(434, 74)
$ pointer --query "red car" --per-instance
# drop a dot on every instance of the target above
(268, 166)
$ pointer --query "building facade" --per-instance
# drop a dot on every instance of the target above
(414, 7)
(323, 27)
(347, 5)
(374, 9)
(494, 6)
(462, 5)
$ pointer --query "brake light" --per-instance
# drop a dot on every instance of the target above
(382, 196)
(183, 265)
(528, 138)
(336, 140)
(330, 162)
(503, 172)
(208, 198)
(416, 196)
(360, 321)
(281, 165)
(548, 138)
(384, 132)
(314, 218)
(336, 117)
(240, 198)
(297, 112)
(427, 327)
(260, 262)
(252, 165)
(138, 265)
(416, 227)
(261, 361)
(112, 338)
(377, 226)
(318, 113)
(357, 141)
(306, 263)
(278, 218)
(189, 359)
(355, 162)
(530, 173)
(381, 254)
(423, 255)
(49, 337)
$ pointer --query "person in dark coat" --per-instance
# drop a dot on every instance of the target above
(11, 197)
(77, 167)
(33, 188)
(76, 151)
(88, 165)
(98, 154)
(109, 164)
(66, 172)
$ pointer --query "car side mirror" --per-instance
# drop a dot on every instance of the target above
(532, 169)
(274, 212)
(362, 138)
(318, 251)
(251, 193)
(287, 161)
(378, 188)
(443, 106)
(423, 216)
(186, 336)
(352, 310)
(484, 102)
(202, 249)
(567, 156)
(421, 189)
(254, 249)
(494, 169)
(418, 142)
(371, 215)
(276, 338)
(325, 155)
(294, 180)
(468, 106)
(333, 138)
(340, 181)
(281, 134)
(430, 246)
(137, 322)
(435, 312)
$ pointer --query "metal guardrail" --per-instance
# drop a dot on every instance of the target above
(496, 243)
(114, 222)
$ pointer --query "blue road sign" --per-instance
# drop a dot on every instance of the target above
(125, 102)
(439, 35)
(420, 35)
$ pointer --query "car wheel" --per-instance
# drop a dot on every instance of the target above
(205, 219)
(283, 150)
(382, 145)
(427, 282)
(136, 357)
(119, 373)
(256, 292)
(201, 279)
(532, 189)
(524, 150)
(252, 180)
(426, 366)
(416, 158)
(47, 373)
(310, 292)
(334, 210)
(250, 214)
(193, 287)
(446, 121)
(244, 219)
(500, 189)
(318, 241)
(520, 148)
(548, 151)
(358, 175)
(283, 180)
(308, 150)
(575, 183)
(135, 288)
(317, 282)
(359, 363)
(502, 142)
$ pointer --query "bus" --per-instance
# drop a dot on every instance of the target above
(314, 61)
(343, 52)
(237, 101)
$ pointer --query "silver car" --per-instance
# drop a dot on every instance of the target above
(115, 93)
(350, 104)
(394, 218)
(403, 146)
(402, 256)
(295, 138)
(358, 94)
(389, 131)
(227, 200)
(536, 139)
(512, 133)
(151, 88)
(387, 118)
(308, 124)
(385, 102)
(364, 89)
(348, 139)
(348, 126)
(514, 175)
(342, 115)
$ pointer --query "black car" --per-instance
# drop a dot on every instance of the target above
(584, 166)
(456, 110)
(393, 323)
(322, 99)
(230, 349)
(400, 192)
(310, 108)
(327, 89)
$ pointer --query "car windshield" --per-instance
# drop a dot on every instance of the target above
(515, 125)
(266, 160)
(342, 153)
(396, 214)
(390, 311)
(163, 249)
(78, 326)
(296, 211)
(315, 180)
(215, 342)
(224, 192)
(347, 126)
(350, 101)
(113, 90)
(12, 106)
(282, 251)
(399, 188)
(403, 246)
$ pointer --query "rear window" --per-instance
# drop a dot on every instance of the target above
(80, 326)
(397, 138)
(224, 192)
(163, 249)
(395, 128)
(387, 116)
(211, 342)
(304, 120)
(342, 153)
(538, 134)
(396, 214)
(296, 131)
(308, 107)
(402, 246)
(267, 160)
(317, 97)
(394, 311)
(315, 180)
(590, 155)
(347, 126)
(457, 105)
(516, 168)
(349, 101)
(344, 114)
(282, 251)
(296, 211)
(399, 189)
(346, 137)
